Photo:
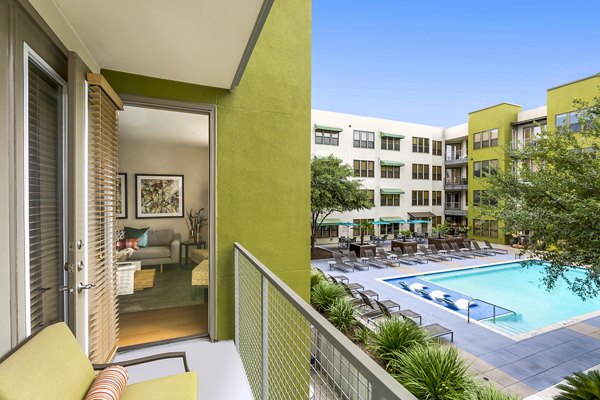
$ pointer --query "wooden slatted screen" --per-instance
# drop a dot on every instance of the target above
(102, 195)
(45, 183)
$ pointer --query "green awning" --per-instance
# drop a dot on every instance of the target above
(327, 128)
(392, 135)
(392, 191)
(391, 163)
(390, 219)
(331, 222)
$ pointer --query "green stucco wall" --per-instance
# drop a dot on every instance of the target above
(500, 116)
(560, 99)
(263, 152)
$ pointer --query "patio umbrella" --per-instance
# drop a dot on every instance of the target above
(348, 224)
(398, 221)
(380, 223)
(418, 221)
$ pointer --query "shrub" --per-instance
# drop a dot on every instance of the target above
(315, 278)
(489, 392)
(363, 335)
(394, 336)
(580, 386)
(325, 294)
(434, 372)
(342, 314)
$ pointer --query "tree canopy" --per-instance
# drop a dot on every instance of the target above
(553, 193)
(333, 190)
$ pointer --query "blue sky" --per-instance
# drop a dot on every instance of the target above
(432, 62)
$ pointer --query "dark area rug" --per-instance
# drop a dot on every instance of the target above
(172, 288)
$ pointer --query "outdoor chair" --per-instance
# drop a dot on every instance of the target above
(418, 258)
(340, 264)
(478, 248)
(338, 278)
(429, 254)
(437, 330)
(406, 314)
(375, 262)
(460, 304)
(403, 258)
(462, 250)
(479, 253)
(383, 256)
(488, 246)
(356, 263)
(453, 254)
(435, 252)
(355, 289)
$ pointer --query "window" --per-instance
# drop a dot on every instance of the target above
(485, 139)
(437, 148)
(391, 229)
(561, 120)
(485, 167)
(436, 172)
(364, 139)
(480, 198)
(485, 228)
(574, 125)
(356, 229)
(527, 135)
(390, 143)
(328, 137)
(364, 169)
(371, 196)
(420, 198)
(420, 171)
(390, 171)
(437, 220)
(420, 145)
(330, 231)
(390, 200)
(436, 198)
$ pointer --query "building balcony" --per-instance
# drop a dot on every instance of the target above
(456, 183)
(455, 208)
(457, 158)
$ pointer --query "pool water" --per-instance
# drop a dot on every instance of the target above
(516, 287)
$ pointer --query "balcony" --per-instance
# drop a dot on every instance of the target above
(456, 183)
(289, 350)
(456, 158)
(455, 208)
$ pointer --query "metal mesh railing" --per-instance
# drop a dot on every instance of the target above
(289, 351)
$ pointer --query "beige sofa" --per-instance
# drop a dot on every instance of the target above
(163, 248)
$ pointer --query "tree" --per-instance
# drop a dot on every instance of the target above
(554, 193)
(333, 190)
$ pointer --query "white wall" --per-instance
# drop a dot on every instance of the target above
(348, 154)
(162, 158)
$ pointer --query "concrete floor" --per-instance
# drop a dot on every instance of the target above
(522, 367)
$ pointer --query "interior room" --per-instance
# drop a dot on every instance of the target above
(162, 277)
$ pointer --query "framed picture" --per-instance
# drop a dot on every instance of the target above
(158, 196)
(122, 195)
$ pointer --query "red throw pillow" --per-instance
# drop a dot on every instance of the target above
(127, 244)
(109, 384)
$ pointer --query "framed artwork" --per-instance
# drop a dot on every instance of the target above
(158, 196)
(122, 195)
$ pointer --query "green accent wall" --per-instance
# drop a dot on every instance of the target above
(263, 152)
(560, 99)
(499, 116)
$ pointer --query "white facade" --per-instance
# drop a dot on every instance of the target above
(346, 151)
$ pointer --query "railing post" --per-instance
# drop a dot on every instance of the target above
(236, 283)
(265, 336)
(494, 313)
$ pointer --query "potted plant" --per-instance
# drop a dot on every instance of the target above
(195, 222)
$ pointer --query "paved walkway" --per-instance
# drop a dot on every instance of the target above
(522, 367)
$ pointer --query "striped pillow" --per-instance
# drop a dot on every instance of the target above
(127, 244)
(109, 384)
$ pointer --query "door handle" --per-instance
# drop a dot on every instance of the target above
(81, 286)
(65, 289)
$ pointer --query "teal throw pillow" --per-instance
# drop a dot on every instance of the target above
(141, 234)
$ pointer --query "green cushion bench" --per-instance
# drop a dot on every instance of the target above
(50, 365)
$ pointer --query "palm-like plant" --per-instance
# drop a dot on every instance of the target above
(580, 386)
(342, 314)
(324, 294)
(434, 372)
(394, 336)
(365, 227)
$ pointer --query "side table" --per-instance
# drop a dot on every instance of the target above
(187, 244)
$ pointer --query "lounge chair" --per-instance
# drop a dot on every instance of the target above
(435, 252)
(438, 295)
(453, 254)
(460, 304)
(340, 264)
(390, 304)
(479, 253)
(419, 288)
(488, 246)
(356, 263)
(375, 262)
(406, 313)
(462, 250)
(437, 330)
(403, 258)
(404, 285)
(429, 255)
(478, 248)
(411, 254)
(383, 257)
(338, 278)
(355, 289)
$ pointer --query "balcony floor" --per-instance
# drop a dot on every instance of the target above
(220, 371)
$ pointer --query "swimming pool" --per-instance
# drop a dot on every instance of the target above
(513, 287)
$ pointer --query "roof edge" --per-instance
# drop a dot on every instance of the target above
(496, 105)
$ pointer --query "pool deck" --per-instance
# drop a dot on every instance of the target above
(527, 367)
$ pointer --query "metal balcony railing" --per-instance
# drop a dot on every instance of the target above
(290, 351)
(456, 157)
(453, 205)
(456, 181)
